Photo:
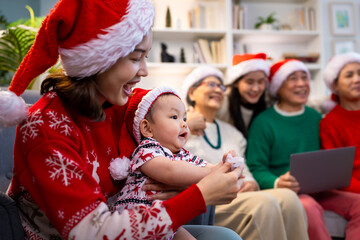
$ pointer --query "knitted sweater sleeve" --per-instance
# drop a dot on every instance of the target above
(330, 138)
(141, 222)
(258, 153)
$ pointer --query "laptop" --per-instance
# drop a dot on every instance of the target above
(323, 170)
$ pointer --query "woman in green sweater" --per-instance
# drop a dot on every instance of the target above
(291, 127)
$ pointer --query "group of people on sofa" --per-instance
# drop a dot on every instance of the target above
(95, 158)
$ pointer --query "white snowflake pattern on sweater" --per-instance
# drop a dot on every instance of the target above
(63, 168)
(30, 129)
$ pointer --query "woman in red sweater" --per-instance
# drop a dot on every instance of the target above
(341, 126)
(65, 141)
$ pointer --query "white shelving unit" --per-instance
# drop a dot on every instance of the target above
(273, 42)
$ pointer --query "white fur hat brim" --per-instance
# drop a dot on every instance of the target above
(198, 74)
(333, 68)
(119, 40)
(283, 72)
(145, 105)
(246, 67)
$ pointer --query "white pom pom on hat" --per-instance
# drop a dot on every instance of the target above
(198, 74)
(13, 109)
(246, 63)
(335, 65)
(90, 37)
(281, 70)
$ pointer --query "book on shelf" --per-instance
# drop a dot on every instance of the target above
(239, 17)
(304, 19)
(312, 19)
(209, 51)
(199, 56)
(204, 16)
(205, 49)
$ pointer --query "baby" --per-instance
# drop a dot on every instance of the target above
(159, 127)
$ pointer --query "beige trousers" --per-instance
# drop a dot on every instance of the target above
(274, 214)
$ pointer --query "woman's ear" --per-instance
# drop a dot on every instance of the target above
(145, 128)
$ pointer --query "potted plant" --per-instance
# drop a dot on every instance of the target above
(15, 42)
(266, 23)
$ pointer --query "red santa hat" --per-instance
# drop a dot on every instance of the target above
(138, 107)
(334, 66)
(331, 73)
(199, 74)
(89, 35)
(246, 63)
(281, 70)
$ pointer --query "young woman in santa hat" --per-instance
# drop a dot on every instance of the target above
(272, 214)
(341, 126)
(247, 81)
(291, 127)
(65, 141)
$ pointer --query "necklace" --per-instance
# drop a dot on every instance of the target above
(218, 135)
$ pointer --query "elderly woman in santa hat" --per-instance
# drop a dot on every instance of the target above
(341, 126)
(272, 214)
(65, 141)
(291, 127)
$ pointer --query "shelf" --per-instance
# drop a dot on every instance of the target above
(313, 66)
(273, 1)
(186, 35)
(176, 68)
(273, 36)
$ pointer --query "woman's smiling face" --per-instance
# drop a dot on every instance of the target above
(347, 86)
(115, 85)
(209, 94)
(252, 86)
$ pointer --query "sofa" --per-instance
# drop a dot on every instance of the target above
(335, 224)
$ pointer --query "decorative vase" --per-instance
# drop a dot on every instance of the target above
(266, 26)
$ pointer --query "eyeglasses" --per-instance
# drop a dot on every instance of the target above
(214, 85)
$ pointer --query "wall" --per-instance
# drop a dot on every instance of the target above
(15, 9)
(328, 38)
(46, 5)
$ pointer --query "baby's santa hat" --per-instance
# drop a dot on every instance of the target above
(246, 63)
(331, 73)
(89, 35)
(138, 107)
(199, 74)
(280, 71)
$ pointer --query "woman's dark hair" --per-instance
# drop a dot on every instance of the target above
(78, 94)
(195, 85)
(235, 101)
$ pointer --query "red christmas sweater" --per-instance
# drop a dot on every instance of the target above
(341, 128)
(62, 184)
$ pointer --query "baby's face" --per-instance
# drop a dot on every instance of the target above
(169, 122)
